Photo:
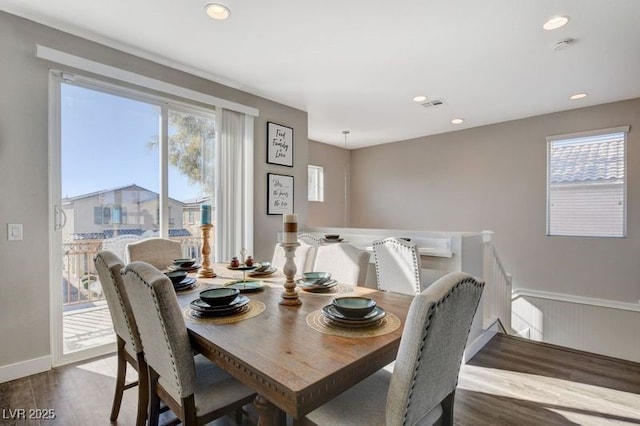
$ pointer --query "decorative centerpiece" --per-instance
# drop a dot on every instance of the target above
(206, 271)
(290, 243)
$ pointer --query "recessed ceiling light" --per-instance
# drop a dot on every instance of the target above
(578, 96)
(457, 121)
(555, 22)
(419, 99)
(217, 11)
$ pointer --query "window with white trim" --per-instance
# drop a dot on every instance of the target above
(586, 184)
(316, 183)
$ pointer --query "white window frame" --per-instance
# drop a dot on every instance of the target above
(550, 140)
(145, 86)
(318, 185)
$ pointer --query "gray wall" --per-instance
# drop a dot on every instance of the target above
(330, 212)
(24, 305)
(494, 177)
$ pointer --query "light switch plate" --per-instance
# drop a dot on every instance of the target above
(14, 231)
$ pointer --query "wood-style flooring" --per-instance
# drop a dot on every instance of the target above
(511, 381)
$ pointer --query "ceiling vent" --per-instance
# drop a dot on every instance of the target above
(433, 103)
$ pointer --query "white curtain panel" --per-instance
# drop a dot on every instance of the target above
(234, 189)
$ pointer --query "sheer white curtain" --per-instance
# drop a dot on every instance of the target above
(234, 189)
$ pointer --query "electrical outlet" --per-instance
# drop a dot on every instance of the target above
(14, 231)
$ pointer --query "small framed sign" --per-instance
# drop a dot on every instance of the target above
(279, 144)
(279, 194)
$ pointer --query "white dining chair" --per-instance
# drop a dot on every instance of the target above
(195, 389)
(397, 266)
(129, 346)
(118, 245)
(159, 252)
(304, 258)
(346, 263)
(421, 389)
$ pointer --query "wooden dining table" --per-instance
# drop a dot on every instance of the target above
(293, 367)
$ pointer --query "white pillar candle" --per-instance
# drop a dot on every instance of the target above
(290, 228)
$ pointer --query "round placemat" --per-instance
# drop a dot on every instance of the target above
(319, 322)
(254, 308)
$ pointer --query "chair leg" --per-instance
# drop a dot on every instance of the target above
(143, 390)
(120, 377)
(154, 399)
(447, 409)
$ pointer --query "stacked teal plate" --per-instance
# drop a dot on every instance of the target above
(372, 318)
(314, 287)
(185, 284)
(202, 309)
(246, 286)
(191, 268)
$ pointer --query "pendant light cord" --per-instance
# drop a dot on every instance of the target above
(346, 170)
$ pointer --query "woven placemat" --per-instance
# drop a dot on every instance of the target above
(254, 308)
(319, 322)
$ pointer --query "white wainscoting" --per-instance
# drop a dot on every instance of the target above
(600, 326)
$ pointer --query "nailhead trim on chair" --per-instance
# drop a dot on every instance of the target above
(399, 243)
(432, 309)
(164, 331)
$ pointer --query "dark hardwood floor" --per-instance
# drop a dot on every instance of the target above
(511, 381)
(514, 381)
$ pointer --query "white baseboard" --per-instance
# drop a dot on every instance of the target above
(24, 368)
(474, 347)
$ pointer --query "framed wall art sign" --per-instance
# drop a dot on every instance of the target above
(279, 194)
(279, 144)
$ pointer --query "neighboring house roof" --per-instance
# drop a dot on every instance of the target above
(120, 188)
(587, 162)
(110, 233)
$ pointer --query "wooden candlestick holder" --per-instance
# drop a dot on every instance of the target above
(289, 296)
(206, 271)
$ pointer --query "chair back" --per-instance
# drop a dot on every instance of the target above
(397, 266)
(159, 252)
(346, 263)
(118, 245)
(305, 255)
(431, 348)
(109, 267)
(162, 328)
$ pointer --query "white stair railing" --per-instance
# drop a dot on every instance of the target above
(497, 290)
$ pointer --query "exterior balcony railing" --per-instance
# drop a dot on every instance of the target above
(80, 283)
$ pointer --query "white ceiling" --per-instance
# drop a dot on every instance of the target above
(357, 64)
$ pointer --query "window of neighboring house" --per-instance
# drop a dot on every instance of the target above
(97, 215)
(116, 215)
(106, 215)
(316, 183)
(586, 184)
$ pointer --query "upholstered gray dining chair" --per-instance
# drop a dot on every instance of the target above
(194, 388)
(346, 263)
(129, 346)
(159, 252)
(421, 389)
(305, 255)
(397, 266)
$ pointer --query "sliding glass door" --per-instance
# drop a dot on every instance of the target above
(124, 166)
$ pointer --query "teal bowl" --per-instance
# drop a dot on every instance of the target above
(354, 307)
(176, 277)
(219, 296)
